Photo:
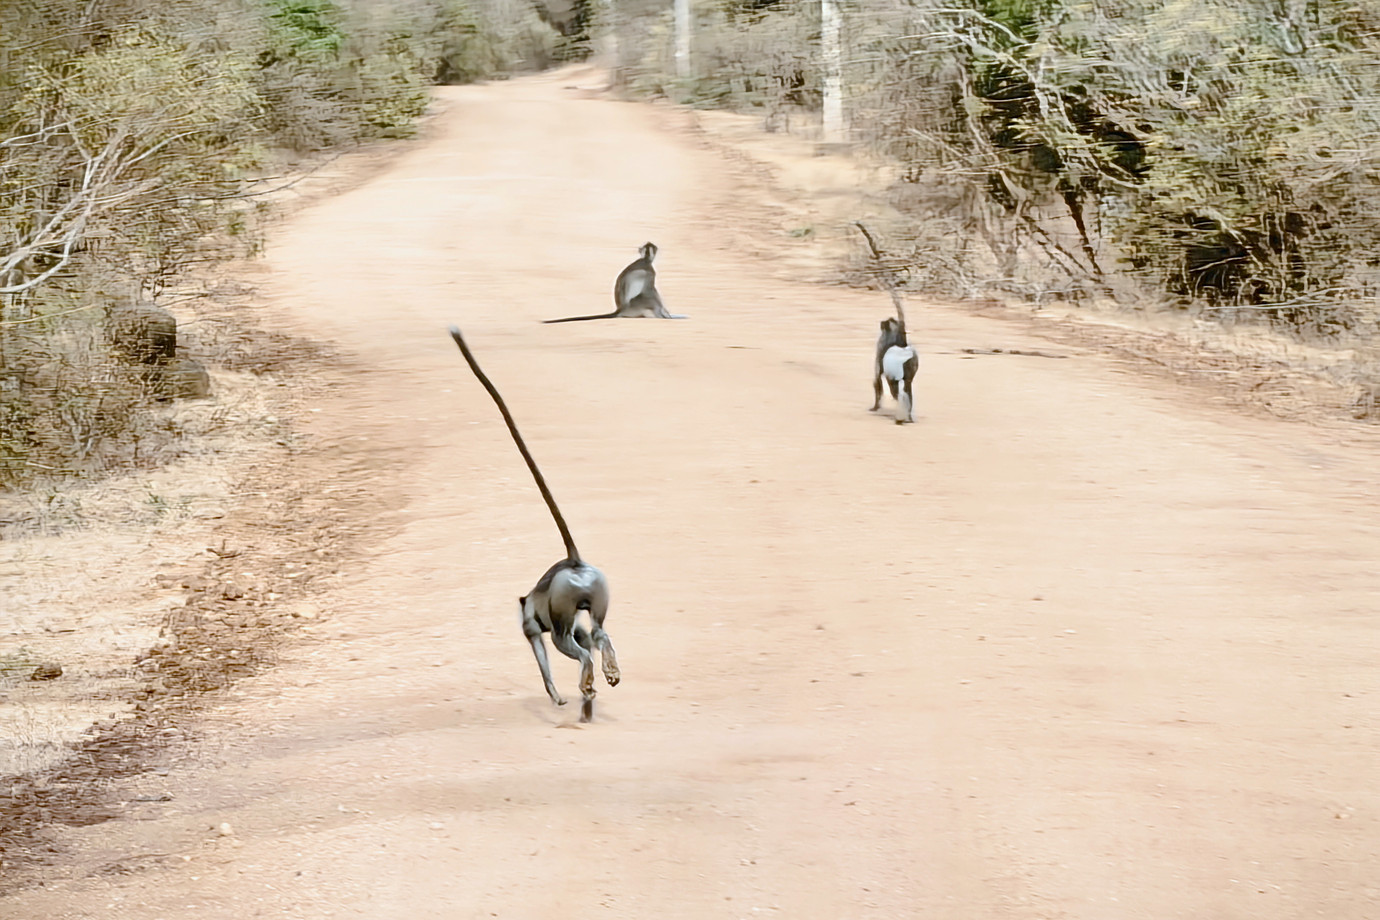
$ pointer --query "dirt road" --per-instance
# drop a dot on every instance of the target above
(1075, 645)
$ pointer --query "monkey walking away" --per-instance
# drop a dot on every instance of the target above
(889, 336)
(634, 292)
(896, 362)
(568, 587)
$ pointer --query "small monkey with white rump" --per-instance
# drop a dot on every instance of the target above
(896, 360)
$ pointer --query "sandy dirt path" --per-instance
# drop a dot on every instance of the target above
(1077, 644)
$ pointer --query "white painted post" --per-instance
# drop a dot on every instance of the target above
(831, 20)
(610, 48)
(682, 27)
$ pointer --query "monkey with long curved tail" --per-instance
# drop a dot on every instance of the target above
(896, 359)
(568, 587)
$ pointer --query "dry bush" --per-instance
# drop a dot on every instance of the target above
(73, 405)
(1222, 153)
(520, 39)
(463, 41)
(71, 409)
(744, 60)
(1212, 155)
(120, 155)
(767, 63)
(333, 73)
(132, 145)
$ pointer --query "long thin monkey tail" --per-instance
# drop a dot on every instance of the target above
(570, 551)
(577, 319)
(884, 275)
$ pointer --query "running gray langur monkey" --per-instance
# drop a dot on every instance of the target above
(634, 292)
(567, 588)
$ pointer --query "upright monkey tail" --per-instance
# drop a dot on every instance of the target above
(885, 276)
(570, 551)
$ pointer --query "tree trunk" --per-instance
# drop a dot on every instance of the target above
(608, 44)
(835, 132)
(683, 71)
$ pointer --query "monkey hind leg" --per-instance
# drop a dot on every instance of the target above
(908, 385)
(608, 659)
(649, 303)
(877, 391)
(599, 638)
(565, 638)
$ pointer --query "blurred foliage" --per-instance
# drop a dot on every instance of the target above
(748, 54)
(308, 29)
(467, 52)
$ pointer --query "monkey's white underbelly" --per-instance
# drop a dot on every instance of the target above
(894, 361)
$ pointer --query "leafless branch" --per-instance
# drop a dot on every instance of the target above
(884, 274)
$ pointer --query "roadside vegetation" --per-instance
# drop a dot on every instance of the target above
(1212, 156)
(142, 144)
(140, 140)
